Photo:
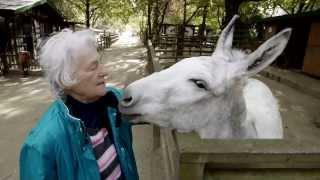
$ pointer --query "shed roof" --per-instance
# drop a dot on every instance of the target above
(20, 5)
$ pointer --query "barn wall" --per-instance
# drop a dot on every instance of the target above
(312, 58)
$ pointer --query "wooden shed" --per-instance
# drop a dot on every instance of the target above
(303, 50)
(22, 24)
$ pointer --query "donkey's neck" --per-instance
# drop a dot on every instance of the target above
(238, 113)
(229, 122)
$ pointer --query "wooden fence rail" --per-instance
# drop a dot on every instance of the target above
(106, 39)
(167, 46)
(164, 139)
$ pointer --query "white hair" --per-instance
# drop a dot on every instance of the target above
(58, 57)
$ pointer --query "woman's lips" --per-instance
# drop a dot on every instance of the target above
(100, 83)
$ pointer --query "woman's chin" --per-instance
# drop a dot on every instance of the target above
(101, 91)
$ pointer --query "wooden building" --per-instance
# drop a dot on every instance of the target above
(22, 24)
(303, 50)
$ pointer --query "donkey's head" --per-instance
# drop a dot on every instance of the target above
(199, 90)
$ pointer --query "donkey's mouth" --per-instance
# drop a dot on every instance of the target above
(131, 116)
(128, 115)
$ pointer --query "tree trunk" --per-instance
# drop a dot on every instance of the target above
(155, 23)
(88, 13)
(241, 33)
(231, 8)
(4, 40)
(181, 30)
(184, 11)
(149, 18)
(159, 24)
(162, 16)
(301, 7)
(203, 25)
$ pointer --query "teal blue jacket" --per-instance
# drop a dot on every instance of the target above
(57, 147)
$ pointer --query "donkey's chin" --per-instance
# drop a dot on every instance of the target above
(135, 117)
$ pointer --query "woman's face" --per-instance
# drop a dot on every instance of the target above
(89, 73)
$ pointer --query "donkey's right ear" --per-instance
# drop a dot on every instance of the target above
(268, 52)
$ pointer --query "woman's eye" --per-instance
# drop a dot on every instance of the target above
(93, 67)
(200, 83)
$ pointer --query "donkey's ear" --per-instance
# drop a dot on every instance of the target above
(268, 52)
(224, 42)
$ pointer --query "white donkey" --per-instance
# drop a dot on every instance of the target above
(212, 95)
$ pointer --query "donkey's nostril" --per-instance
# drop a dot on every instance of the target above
(127, 101)
(129, 98)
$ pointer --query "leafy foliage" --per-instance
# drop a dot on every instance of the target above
(101, 12)
(267, 8)
(118, 13)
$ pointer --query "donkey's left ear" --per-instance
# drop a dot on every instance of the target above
(268, 52)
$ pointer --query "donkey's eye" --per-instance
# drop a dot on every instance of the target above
(199, 83)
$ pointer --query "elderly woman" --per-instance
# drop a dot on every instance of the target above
(82, 135)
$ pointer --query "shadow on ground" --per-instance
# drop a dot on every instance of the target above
(22, 101)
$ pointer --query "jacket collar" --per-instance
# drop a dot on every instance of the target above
(64, 109)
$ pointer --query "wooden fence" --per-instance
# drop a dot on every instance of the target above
(167, 50)
(163, 139)
(167, 46)
(105, 39)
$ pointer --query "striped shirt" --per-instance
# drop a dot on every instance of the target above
(93, 116)
(105, 153)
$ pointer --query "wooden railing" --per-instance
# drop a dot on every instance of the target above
(163, 139)
(106, 39)
(166, 47)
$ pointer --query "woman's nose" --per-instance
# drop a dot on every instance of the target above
(102, 72)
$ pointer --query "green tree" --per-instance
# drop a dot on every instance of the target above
(267, 8)
(295, 6)
(92, 12)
